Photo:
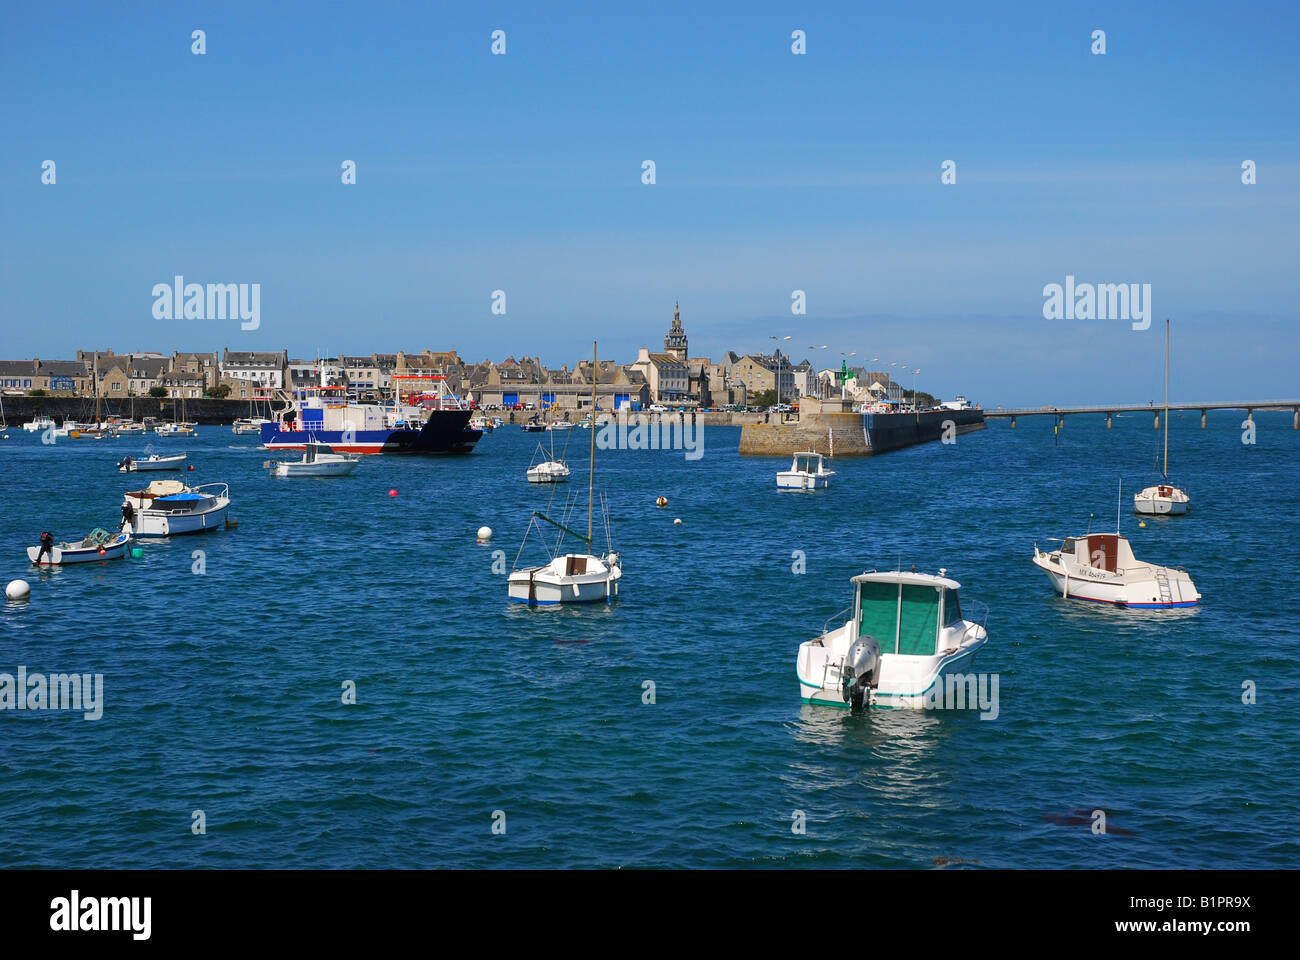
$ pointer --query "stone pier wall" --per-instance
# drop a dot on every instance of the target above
(854, 434)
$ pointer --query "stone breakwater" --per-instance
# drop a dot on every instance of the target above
(855, 434)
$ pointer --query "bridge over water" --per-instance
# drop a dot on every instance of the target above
(1110, 409)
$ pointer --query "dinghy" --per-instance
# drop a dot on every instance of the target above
(905, 634)
(154, 461)
(99, 544)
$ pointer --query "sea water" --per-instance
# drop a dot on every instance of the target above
(665, 729)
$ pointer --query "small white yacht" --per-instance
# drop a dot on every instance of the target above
(318, 460)
(904, 634)
(169, 507)
(249, 425)
(1101, 567)
(1163, 498)
(554, 470)
(807, 472)
(39, 425)
(154, 461)
(174, 429)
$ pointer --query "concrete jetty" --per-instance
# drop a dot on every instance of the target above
(831, 427)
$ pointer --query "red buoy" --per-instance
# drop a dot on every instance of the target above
(190, 467)
(392, 493)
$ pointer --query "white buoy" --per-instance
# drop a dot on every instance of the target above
(677, 522)
(18, 590)
(484, 534)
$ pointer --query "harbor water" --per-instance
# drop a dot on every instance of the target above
(666, 729)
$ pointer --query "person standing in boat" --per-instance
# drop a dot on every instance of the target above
(128, 515)
(47, 548)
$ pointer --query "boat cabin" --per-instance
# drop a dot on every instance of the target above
(905, 612)
(807, 463)
(1101, 551)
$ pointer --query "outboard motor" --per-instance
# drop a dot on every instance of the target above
(857, 671)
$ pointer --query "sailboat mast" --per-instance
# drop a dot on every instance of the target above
(591, 471)
(1165, 472)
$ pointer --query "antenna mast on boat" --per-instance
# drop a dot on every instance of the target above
(1119, 505)
(1165, 472)
(591, 471)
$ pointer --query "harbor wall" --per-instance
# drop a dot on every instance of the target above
(19, 410)
(854, 434)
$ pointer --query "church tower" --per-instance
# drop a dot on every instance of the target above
(675, 342)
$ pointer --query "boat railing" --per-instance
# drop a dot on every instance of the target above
(833, 616)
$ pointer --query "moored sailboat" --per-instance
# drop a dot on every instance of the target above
(1163, 498)
(571, 577)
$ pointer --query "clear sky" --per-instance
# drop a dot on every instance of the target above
(774, 172)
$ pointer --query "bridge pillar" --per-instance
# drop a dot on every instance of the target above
(1108, 416)
(1250, 415)
(1157, 415)
(1295, 418)
(1013, 423)
(1060, 421)
(1202, 419)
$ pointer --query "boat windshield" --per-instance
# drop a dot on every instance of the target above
(903, 617)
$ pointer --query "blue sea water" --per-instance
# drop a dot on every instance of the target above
(223, 688)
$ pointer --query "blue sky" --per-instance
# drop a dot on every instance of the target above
(775, 172)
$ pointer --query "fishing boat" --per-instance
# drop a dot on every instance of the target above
(482, 423)
(318, 460)
(99, 544)
(570, 577)
(807, 472)
(1101, 567)
(39, 425)
(1163, 498)
(154, 461)
(533, 425)
(904, 634)
(422, 423)
(169, 507)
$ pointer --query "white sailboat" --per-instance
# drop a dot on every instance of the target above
(1163, 498)
(570, 577)
(554, 470)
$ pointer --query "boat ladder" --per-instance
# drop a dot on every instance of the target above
(1162, 584)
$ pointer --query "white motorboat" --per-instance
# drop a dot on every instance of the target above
(249, 425)
(570, 577)
(904, 636)
(99, 544)
(1101, 567)
(154, 461)
(807, 472)
(318, 460)
(1163, 498)
(168, 507)
(39, 425)
(174, 429)
(559, 425)
(128, 428)
(485, 424)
